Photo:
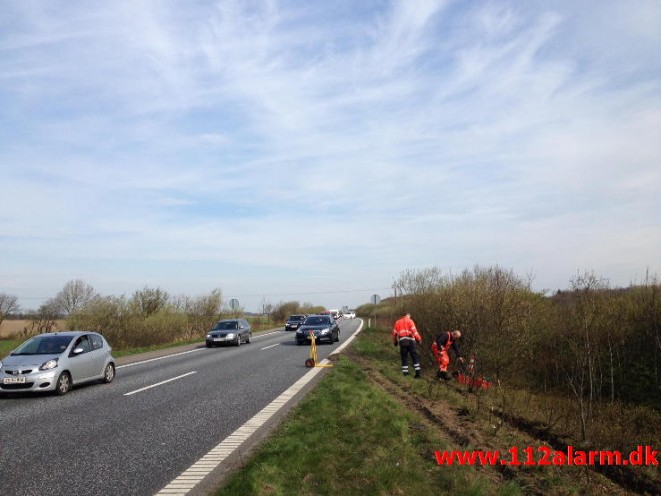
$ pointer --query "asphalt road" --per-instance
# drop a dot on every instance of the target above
(134, 436)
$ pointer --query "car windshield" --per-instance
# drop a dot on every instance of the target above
(44, 345)
(317, 321)
(226, 326)
(297, 318)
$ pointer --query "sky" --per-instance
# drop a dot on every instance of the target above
(315, 151)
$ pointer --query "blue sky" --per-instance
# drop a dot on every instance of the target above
(313, 151)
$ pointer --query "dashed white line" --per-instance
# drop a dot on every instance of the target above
(267, 347)
(160, 383)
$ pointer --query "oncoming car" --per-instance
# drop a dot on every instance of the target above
(294, 322)
(323, 327)
(57, 362)
(229, 331)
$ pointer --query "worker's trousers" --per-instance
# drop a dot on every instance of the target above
(408, 347)
(442, 357)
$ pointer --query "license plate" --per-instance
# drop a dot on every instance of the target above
(13, 380)
(219, 339)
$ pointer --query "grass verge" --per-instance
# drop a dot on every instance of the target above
(366, 430)
(350, 437)
(7, 345)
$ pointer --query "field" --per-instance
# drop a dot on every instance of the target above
(10, 328)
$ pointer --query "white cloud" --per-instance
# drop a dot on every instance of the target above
(343, 143)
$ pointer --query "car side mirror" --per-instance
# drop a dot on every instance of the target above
(77, 351)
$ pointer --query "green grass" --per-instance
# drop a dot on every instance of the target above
(144, 349)
(349, 437)
(7, 345)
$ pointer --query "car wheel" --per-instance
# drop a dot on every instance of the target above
(63, 384)
(337, 338)
(208, 345)
(109, 373)
(248, 339)
(238, 339)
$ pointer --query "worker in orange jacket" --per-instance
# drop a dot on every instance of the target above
(440, 347)
(406, 336)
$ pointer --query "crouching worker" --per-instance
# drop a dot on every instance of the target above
(440, 347)
(406, 336)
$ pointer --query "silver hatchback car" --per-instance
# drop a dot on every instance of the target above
(57, 362)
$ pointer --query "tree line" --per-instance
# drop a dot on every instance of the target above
(150, 316)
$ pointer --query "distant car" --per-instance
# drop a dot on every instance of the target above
(294, 322)
(229, 331)
(57, 362)
(324, 327)
(350, 314)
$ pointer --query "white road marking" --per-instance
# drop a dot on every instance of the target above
(160, 383)
(272, 346)
(188, 479)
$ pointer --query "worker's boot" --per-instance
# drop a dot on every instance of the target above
(446, 375)
(417, 374)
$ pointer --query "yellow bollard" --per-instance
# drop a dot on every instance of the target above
(312, 361)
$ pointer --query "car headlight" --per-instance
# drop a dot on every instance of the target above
(325, 331)
(50, 364)
(209, 335)
(0, 365)
(230, 335)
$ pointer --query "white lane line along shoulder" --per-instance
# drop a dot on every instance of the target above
(267, 347)
(160, 383)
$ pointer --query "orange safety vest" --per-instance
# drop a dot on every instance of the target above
(405, 330)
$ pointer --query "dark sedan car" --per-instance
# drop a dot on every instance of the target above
(323, 327)
(294, 322)
(229, 331)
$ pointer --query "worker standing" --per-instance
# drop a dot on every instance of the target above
(440, 348)
(406, 336)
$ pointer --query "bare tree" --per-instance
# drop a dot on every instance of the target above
(148, 301)
(267, 307)
(73, 296)
(8, 305)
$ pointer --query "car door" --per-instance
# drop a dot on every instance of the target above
(81, 364)
(244, 330)
(98, 355)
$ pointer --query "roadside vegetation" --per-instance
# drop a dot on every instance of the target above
(366, 430)
(147, 320)
(351, 437)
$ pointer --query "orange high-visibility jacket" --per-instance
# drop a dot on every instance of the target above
(405, 330)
